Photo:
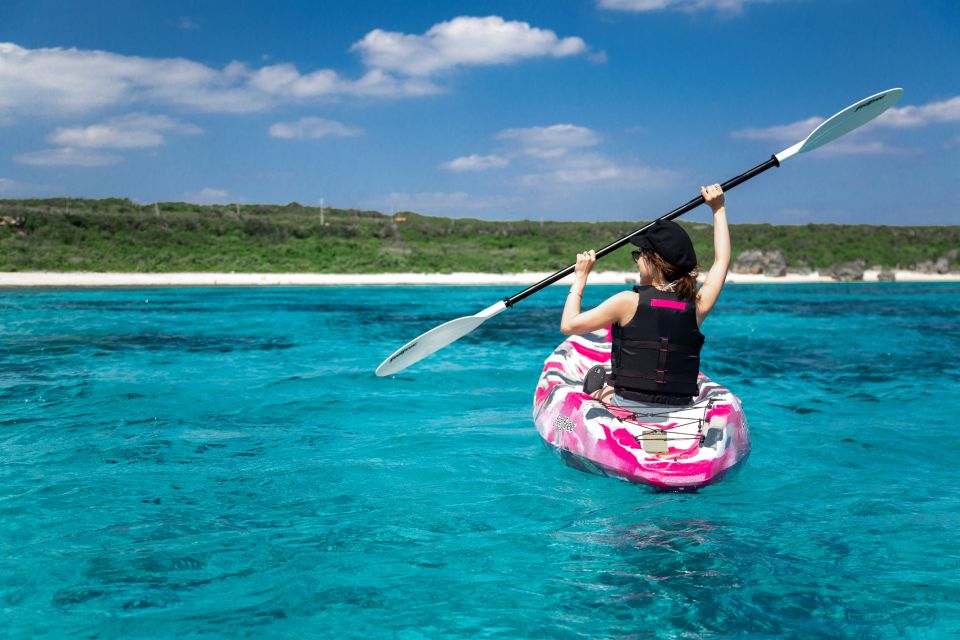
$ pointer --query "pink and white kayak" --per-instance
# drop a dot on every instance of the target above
(674, 448)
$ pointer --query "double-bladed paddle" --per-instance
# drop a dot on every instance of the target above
(854, 116)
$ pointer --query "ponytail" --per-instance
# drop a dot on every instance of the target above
(684, 285)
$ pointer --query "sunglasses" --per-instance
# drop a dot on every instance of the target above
(636, 255)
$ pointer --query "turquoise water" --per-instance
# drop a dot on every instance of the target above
(223, 463)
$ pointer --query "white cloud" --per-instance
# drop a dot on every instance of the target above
(851, 144)
(476, 162)
(283, 81)
(858, 142)
(57, 81)
(793, 132)
(549, 142)
(312, 129)
(597, 57)
(208, 195)
(931, 113)
(598, 170)
(62, 81)
(854, 147)
(16, 189)
(463, 41)
(895, 118)
(727, 6)
(187, 24)
(65, 81)
(379, 84)
(67, 157)
(132, 131)
(561, 156)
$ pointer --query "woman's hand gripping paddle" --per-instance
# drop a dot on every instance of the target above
(854, 116)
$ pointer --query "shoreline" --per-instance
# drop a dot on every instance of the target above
(41, 279)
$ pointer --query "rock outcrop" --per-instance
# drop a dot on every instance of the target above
(750, 261)
(884, 274)
(754, 261)
(776, 264)
(847, 271)
(943, 264)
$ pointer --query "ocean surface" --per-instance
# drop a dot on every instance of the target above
(180, 463)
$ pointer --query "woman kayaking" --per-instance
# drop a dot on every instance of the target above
(656, 327)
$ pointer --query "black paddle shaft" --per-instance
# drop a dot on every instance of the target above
(613, 246)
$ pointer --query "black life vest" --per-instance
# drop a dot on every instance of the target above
(656, 356)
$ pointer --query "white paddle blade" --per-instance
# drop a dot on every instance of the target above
(854, 116)
(435, 339)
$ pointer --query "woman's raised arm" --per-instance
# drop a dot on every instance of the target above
(573, 321)
(710, 291)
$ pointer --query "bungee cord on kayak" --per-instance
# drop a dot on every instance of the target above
(635, 418)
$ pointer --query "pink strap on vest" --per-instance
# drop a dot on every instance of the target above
(668, 304)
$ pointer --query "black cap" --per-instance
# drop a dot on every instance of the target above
(673, 244)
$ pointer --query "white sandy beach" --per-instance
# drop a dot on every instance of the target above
(106, 279)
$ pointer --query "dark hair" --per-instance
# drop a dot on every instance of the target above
(686, 287)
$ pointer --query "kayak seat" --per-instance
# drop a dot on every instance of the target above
(595, 379)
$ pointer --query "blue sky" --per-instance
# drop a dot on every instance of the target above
(566, 110)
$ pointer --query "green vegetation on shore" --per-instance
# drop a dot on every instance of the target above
(65, 234)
